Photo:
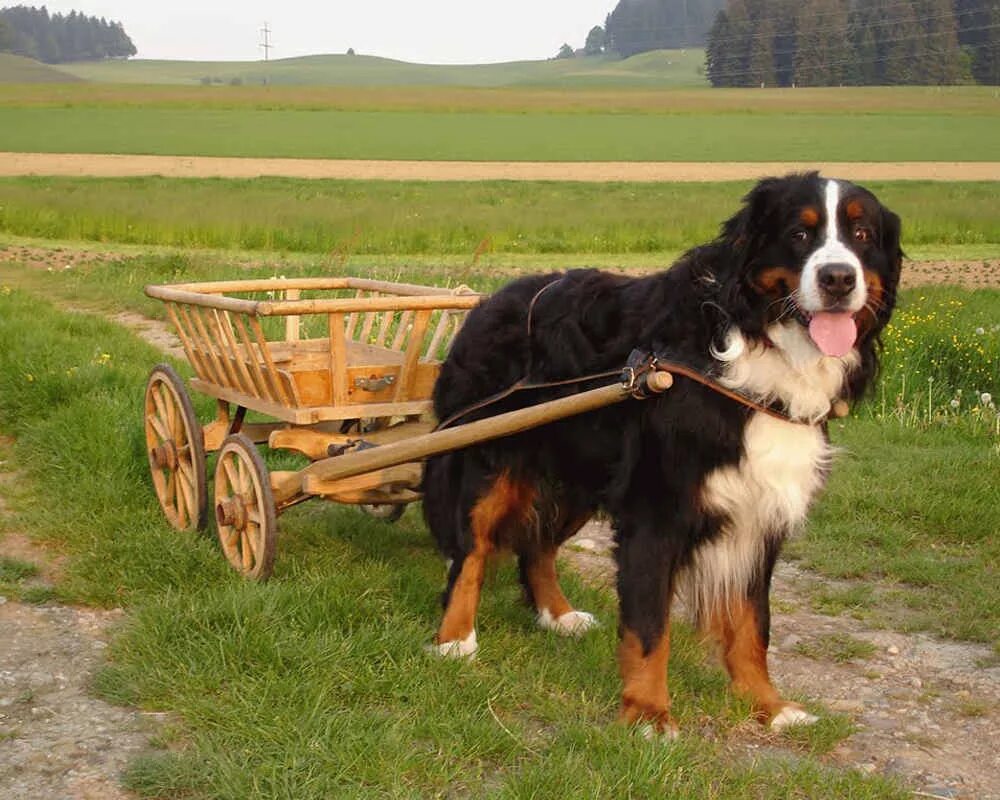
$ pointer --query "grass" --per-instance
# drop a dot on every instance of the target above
(318, 678)
(502, 136)
(659, 68)
(953, 101)
(837, 647)
(933, 547)
(524, 219)
(27, 71)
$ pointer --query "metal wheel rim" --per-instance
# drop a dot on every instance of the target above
(175, 450)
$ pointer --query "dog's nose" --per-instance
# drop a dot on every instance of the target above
(837, 280)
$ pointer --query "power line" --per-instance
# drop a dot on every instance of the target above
(916, 37)
(847, 14)
(853, 60)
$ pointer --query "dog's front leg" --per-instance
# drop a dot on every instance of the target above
(645, 575)
(741, 624)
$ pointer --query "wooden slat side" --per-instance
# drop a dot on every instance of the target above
(292, 322)
(246, 382)
(261, 383)
(411, 356)
(270, 371)
(193, 356)
(200, 343)
(203, 321)
(228, 356)
(405, 320)
(440, 334)
(338, 359)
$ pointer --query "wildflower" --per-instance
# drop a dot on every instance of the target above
(5, 291)
(980, 331)
(956, 403)
(29, 377)
(986, 399)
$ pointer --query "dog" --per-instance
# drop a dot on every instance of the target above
(783, 308)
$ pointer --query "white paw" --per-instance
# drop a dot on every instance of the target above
(572, 623)
(790, 715)
(465, 648)
(649, 732)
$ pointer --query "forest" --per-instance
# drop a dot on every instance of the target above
(58, 38)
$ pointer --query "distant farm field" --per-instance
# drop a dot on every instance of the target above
(391, 217)
(950, 100)
(503, 136)
(657, 68)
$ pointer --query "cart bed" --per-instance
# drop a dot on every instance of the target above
(309, 350)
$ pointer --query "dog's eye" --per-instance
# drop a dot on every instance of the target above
(862, 234)
(800, 236)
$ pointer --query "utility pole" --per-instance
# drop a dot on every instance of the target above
(266, 44)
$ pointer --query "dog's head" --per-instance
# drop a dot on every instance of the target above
(817, 253)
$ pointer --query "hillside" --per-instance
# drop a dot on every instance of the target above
(17, 69)
(659, 68)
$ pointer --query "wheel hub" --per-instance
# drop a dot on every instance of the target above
(165, 456)
(231, 512)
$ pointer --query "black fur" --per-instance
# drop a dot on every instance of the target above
(642, 462)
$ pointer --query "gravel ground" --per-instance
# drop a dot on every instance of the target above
(57, 741)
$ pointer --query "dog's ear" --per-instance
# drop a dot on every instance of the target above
(744, 232)
(890, 231)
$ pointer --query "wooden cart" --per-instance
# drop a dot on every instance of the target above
(342, 369)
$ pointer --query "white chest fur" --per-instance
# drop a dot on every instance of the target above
(779, 474)
(765, 496)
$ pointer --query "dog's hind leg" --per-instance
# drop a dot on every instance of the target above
(537, 565)
(742, 627)
(505, 501)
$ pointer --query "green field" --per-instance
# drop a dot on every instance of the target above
(20, 70)
(494, 219)
(499, 136)
(953, 101)
(659, 68)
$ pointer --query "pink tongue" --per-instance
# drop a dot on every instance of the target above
(833, 333)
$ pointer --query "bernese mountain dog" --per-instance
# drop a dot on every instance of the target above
(784, 308)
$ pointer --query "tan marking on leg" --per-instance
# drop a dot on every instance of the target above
(541, 574)
(504, 499)
(745, 657)
(644, 678)
(544, 583)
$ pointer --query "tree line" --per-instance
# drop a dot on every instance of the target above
(58, 38)
(854, 42)
(636, 26)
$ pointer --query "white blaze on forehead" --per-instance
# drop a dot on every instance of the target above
(831, 250)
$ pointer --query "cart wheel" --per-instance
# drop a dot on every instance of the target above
(387, 512)
(176, 449)
(244, 508)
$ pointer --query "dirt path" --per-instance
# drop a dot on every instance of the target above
(57, 741)
(82, 164)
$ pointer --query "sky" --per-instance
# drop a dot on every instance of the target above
(423, 31)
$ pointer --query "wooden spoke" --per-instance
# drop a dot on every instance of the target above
(176, 455)
(244, 508)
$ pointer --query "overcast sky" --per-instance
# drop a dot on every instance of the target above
(426, 31)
